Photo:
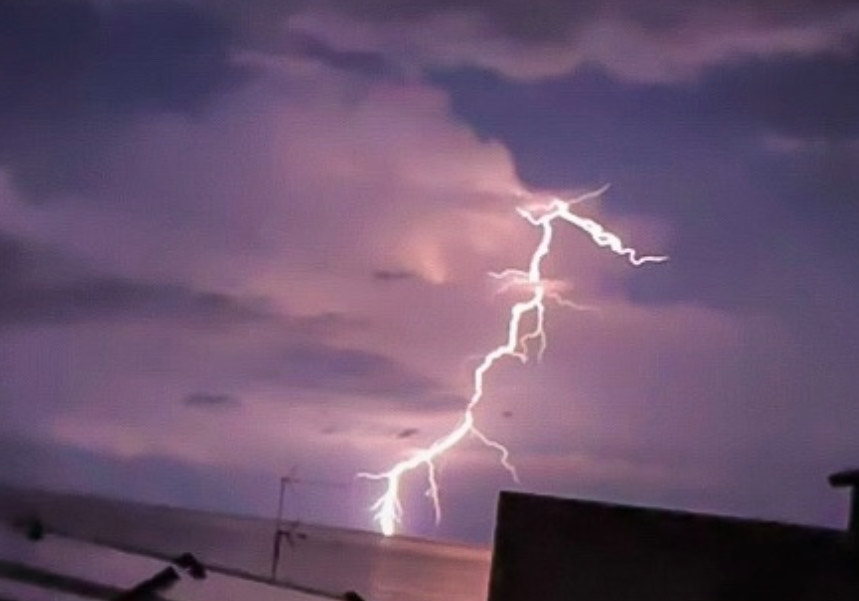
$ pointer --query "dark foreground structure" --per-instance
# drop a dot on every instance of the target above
(551, 549)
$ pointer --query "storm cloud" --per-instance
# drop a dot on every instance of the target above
(629, 39)
(211, 400)
(40, 287)
(275, 220)
(74, 73)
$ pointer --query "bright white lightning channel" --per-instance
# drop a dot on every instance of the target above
(388, 509)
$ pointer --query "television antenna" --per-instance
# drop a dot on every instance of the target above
(290, 529)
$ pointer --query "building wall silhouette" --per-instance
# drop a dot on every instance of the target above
(550, 549)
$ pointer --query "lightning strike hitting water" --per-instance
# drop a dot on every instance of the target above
(388, 508)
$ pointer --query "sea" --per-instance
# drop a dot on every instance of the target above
(53, 544)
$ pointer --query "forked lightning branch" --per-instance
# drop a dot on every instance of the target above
(519, 339)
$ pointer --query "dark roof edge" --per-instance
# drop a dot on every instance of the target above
(679, 514)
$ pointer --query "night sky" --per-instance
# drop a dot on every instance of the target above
(244, 238)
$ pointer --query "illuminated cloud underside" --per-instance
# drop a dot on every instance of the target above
(388, 508)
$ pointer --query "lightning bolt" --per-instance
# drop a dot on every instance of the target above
(388, 509)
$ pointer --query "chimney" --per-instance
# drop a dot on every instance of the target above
(849, 478)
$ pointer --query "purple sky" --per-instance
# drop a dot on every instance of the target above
(241, 237)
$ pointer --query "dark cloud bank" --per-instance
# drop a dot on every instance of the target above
(40, 287)
(73, 73)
